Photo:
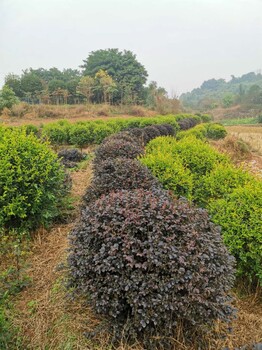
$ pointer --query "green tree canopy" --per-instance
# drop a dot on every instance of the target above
(123, 67)
(31, 84)
(7, 97)
(56, 84)
(86, 86)
(14, 82)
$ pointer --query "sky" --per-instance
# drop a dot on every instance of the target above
(181, 43)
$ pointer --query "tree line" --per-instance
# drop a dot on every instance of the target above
(106, 76)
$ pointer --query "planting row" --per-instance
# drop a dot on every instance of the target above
(193, 169)
(146, 261)
(32, 183)
(211, 131)
(93, 132)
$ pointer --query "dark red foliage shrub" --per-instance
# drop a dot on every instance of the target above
(123, 135)
(117, 149)
(144, 135)
(150, 132)
(120, 174)
(70, 156)
(138, 133)
(147, 262)
(162, 129)
(170, 129)
(187, 123)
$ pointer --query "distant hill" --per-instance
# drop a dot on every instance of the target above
(245, 90)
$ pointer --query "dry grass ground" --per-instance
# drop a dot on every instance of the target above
(23, 113)
(252, 135)
(238, 111)
(45, 316)
(244, 145)
(48, 320)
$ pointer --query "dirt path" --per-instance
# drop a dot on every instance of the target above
(46, 318)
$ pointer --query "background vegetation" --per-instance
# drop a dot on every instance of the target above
(106, 76)
(245, 90)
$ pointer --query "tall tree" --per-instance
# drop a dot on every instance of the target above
(128, 74)
(105, 84)
(55, 84)
(85, 87)
(154, 93)
(31, 83)
(7, 97)
(14, 82)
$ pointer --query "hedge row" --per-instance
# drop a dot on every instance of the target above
(94, 132)
(212, 131)
(146, 261)
(193, 169)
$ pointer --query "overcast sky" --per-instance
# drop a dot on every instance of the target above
(181, 43)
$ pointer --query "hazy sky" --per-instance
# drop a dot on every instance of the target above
(181, 43)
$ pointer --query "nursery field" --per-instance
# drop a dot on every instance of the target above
(47, 319)
(110, 238)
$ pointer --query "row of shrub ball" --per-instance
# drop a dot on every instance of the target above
(190, 167)
(145, 260)
(84, 133)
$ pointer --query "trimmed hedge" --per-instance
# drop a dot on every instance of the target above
(31, 181)
(196, 155)
(123, 135)
(71, 154)
(199, 131)
(240, 216)
(188, 123)
(70, 157)
(117, 149)
(147, 262)
(211, 131)
(57, 133)
(170, 171)
(120, 173)
(84, 133)
(216, 131)
(219, 183)
(150, 132)
(192, 168)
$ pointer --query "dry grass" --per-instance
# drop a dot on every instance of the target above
(236, 148)
(48, 320)
(238, 111)
(24, 113)
(244, 146)
(252, 135)
(247, 328)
